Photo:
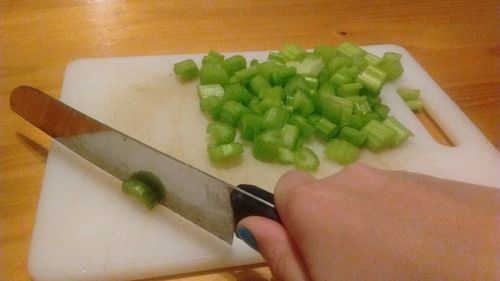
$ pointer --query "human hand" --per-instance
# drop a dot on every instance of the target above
(365, 223)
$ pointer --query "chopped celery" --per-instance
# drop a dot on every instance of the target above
(145, 187)
(290, 135)
(205, 91)
(379, 136)
(279, 103)
(224, 152)
(231, 112)
(220, 133)
(306, 159)
(186, 69)
(353, 136)
(213, 74)
(265, 146)
(402, 132)
(341, 151)
(250, 126)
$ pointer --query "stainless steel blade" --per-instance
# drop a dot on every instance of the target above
(191, 193)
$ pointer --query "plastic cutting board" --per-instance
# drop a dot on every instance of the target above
(86, 229)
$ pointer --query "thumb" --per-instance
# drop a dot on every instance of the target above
(275, 245)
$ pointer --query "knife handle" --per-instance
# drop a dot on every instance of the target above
(250, 200)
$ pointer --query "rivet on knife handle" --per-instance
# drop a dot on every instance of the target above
(250, 200)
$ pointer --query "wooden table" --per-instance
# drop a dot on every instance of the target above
(457, 42)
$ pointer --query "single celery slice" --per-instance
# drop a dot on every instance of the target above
(325, 52)
(234, 64)
(265, 146)
(391, 65)
(213, 74)
(285, 155)
(352, 135)
(220, 133)
(372, 59)
(337, 110)
(301, 103)
(275, 117)
(205, 91)
(415, 105)
(408, 94)
(238, 93)
(212, 105)
(276, 58)
(212, 57)
(145, 187)
(292, 52)
(382, 110)
(306, 129)
(349, 90)
(379, 136)
(306, 159)
(350, 50)
(259, 83)
(372, 78)
(224, 152)
(310, 66)
(341, 151)
(276, 92)
(403, 133)
(325, 129)
(244, 76)
(186, 69)
(250, 126)
(290, 135)
(231, 112)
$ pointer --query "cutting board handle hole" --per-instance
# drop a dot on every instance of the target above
(433, 128)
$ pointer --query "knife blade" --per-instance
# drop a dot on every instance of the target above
(203, 199)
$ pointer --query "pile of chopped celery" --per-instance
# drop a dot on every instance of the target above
(281, 104)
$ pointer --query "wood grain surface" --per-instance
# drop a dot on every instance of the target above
(457, 42)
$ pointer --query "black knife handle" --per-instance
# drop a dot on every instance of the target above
(250, 200)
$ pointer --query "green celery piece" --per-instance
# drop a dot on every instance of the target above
(213, 74)
(285, 156)
(292, 52)
(244, 76)
(361, 106)
(306, 129)
(212, 105)
(372, 78)
(265, 146)
(310, 66)
(352, 135)
(349, 90)
(341, 151)
(224, 152)
(306, 159)
(231, 112)
(234, 63)
(212, 57)
(358, 121)
(350, 50)
(276, 58)
(220, 133)
(403, 133)
(238, 93)
(250, 126)
(325, 52)
(323, 77)
(408, 94)
(312, 83)
(275, 92)
(290, 135)
(296, 83)
(258, 83)
(415, 105)
(281, 75)
(140, 191)
(301, 103)
(338, 62)
(186, 69)
(254, 107)
(275, 117)
(382, 110)
(205, 91)
(337, 109)
(339, 79)
(266, 104)
(325, 129)
(372, 59)
(391, 64)
(379, 136)
(267, 68)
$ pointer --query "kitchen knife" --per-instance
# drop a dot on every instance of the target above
(199, 197)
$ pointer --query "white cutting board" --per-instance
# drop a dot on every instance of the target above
(86, 229)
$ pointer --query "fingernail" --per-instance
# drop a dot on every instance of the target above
(244, 234)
